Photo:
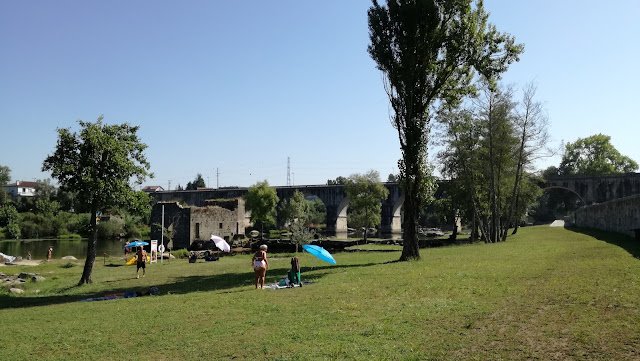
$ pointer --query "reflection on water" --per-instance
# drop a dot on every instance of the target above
(61, 248)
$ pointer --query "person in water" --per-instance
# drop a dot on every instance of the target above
(141, 260)
(260, 265)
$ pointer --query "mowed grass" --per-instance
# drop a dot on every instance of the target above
(546, 293)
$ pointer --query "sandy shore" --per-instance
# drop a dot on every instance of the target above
(23, 263)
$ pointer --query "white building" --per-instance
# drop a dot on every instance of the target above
(21, 189)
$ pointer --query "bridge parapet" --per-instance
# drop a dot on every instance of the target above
(598, 189)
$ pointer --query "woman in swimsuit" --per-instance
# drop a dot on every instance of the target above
(260, 265)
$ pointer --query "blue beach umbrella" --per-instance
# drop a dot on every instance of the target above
(136, 244)
(319, 252)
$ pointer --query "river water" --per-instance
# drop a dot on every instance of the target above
(61, 248)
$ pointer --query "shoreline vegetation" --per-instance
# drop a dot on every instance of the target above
(545, 293)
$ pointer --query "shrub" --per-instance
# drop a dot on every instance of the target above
(180, 253)
(69, 236)
(111, 229)
(29, 229)
(68, 265)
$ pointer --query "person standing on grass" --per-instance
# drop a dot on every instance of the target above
(260, 265)
(141, 260)
(49, 253)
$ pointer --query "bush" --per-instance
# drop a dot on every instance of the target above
(68, 236)
(68, 265)
(111, 229)
(80, 224)
(180, 253)
(29, 229)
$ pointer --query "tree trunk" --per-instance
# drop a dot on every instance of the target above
(91, 250)
(454, 233)
(515, 228)
(410, 249)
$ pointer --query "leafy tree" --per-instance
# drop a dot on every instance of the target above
(366, 193)
(392, 178)
(301, 234)
(5, 175)
(9, 219)
(338, 181)
(4, 197)
(594, 155)
(197, 183)
(317, 212)
(487, 149)
(261, 201)
(99, 162)
(294, 208)
(426, 50)
(8, 214)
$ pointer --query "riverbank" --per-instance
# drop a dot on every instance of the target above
(22, 263)
(545, 293)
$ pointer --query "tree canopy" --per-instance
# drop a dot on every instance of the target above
(100, 163)
(594, 155)
(366, 193)
(427, 51)
(5, 175)
(261, 201)
(197, 183)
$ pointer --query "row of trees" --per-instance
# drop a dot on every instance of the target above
(365, 193)
(489, 147)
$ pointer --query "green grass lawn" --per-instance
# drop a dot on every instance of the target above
(546, 293)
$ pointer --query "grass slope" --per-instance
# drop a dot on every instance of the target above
(546, 293)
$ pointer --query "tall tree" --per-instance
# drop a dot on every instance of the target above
(294, 208)
(99, 162)
(531, 129)
(427, 51)
(5, 175)
(261, 201)
(366, 193)
(594, 155)
(197, 183)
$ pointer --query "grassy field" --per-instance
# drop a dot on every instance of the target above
(546, 293)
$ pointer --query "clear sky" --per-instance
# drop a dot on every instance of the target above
(240, 86)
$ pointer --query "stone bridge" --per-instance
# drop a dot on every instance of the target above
(597, 189)
(333, 197)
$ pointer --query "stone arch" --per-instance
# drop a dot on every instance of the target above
(341, 215)
(568, 189)
(396, 215)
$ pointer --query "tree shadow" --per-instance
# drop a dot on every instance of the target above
(179, 285)
(625, 242)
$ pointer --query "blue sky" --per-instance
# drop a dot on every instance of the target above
(242, 86)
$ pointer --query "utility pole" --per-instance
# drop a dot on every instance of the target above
(288, 172)
(169, 188)
(217, 177)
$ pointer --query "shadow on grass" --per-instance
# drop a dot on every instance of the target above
(625, 242)
(177, 286)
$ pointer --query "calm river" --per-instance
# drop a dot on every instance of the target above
(61, 248)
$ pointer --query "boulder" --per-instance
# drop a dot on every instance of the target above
(25, 275)
(16, 291)
(37, 278)
(70, 258)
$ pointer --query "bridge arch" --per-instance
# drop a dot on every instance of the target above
(568, 189)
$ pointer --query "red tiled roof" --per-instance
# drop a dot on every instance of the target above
(24, 184)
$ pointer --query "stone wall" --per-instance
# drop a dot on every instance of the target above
(619, 215)
(224, 218)
(177, 219)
